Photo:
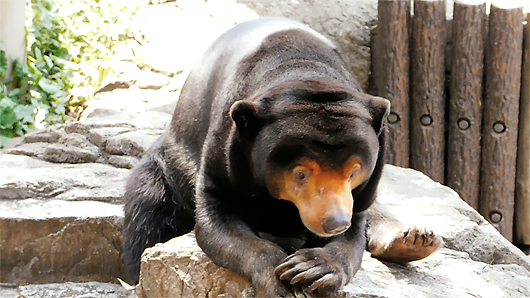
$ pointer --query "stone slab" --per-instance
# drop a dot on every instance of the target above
(43, 241)
(65, 290)
(476, 260)
(23, 177)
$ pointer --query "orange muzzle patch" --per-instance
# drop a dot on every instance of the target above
(323, 196)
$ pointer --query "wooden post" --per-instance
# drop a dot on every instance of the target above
(427, 114)
(522, 187)
(12, 30)
(465, 104)
(501, 117)
(391, 74)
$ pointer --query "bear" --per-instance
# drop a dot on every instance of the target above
(272, 157)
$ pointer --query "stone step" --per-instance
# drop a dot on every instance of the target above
(23, 177)
(66, 290)
(59, 222)
(61, 194)
(46, 241)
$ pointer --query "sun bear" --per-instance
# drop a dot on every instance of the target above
(272, 157)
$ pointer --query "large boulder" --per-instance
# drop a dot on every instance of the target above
(57, 241)
(61, 194)
(347, 23)
(475, 261)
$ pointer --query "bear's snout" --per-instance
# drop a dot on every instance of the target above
(336, 224)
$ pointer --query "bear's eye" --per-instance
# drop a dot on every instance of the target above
(354, 173)
(301, 176)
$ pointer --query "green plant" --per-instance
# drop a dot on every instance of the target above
(70, 44)
(17, 108)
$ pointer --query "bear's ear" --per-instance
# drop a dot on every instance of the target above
(379, 109)
(244, 114)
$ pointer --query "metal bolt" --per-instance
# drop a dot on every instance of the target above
(499, 127)
(393, 118)
(495, 216)
(463, 123)
(426, 120)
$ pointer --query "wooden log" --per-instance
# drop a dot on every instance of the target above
(522, 187)
(391, 74)
(465, 104)
(427, 124)
(501, 117)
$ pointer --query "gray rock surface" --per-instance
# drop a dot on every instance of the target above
(346, 23)
(23, 177)
(476, 260)
(60, 198)
(97, 139)
(44, 241)
(65, 290)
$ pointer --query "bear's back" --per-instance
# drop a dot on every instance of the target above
(213, 84)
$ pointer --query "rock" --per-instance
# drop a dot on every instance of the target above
(66, 290)
(55, 145)
(107, 137)
(102, 112)
(132, 100)
(56, 241)
(179, 268)
(29, 149)
(61, 220)
(48, 135)
(126, 162)
(476, 260)
(23, 177)
(100, 136)
(153, 81)
(14, 142)
(70, 154)
(133, 143)
(347, 23)
(167, 108)
(144, 120)
(417, 199)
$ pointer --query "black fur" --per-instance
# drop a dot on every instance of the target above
(246, 112)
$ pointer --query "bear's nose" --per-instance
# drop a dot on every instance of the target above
(336, 224)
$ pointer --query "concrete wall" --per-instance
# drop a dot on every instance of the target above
(12, 30)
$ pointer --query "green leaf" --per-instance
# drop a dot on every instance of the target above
(49, 86)
(24, 113)
(7, 103)
(3, 64)
(7, 119)
(14, 93)
(48, 61)
(38, 53)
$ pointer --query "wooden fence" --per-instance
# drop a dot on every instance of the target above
(460, 93)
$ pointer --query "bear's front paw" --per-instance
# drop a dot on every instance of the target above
(274, 288)
(314, 270)
(406, 246)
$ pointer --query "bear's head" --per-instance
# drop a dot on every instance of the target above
(312, 143)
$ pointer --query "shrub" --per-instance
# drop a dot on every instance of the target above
(70, 44)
